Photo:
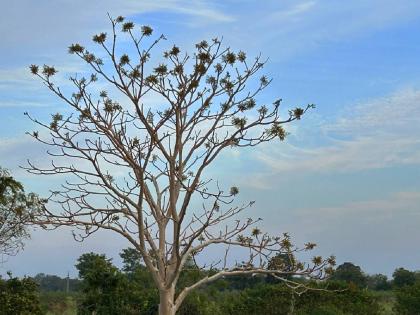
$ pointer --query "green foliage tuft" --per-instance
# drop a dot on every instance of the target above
(229, 58)
(48, 71)
(162, 69)
(76, 48)
(34, 69)
(99, 38)
(124, 59)
(127, 26)
(234, 190)
(119, 19)
(146, 30)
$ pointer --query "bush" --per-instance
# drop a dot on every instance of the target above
(200, 303)
(262, 299)
(19, 297)
(408, 300)
(107, 291)
(277, 299)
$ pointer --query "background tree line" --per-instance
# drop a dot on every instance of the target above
(102, 288)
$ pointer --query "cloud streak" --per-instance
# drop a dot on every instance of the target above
(376, 134)
(294, 11)
(200, 9)
(302, 26)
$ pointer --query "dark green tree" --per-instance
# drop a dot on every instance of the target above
(103, 286)
(350, 273)
(403, 277)
(131, 260)
(378, 282)
(107, 290)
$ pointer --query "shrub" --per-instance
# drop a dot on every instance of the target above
(19, 296)
(408, 300)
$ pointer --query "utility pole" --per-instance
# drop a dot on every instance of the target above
(68, 283)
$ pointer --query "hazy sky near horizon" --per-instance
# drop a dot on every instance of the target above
(347, 178)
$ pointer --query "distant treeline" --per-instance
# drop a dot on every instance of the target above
(102, 288)
(346, 272)
(53, 283)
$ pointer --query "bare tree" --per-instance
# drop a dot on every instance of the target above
(135, 165)
(15, 208)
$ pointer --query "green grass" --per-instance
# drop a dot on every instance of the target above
(58, 303)
(386, 300)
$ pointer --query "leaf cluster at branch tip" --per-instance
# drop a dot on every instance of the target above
(76, 48)
(146, 30)
(99, 38)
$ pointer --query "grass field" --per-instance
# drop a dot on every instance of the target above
(60, 304)
(57, 303)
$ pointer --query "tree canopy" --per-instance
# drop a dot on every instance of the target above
(349, 272)
(15, 211)
(403, 277)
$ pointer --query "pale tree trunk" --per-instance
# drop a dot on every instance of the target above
(292, 304)
(166, 302)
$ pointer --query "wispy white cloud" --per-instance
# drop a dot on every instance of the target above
(376, 134)
(302, 26)
(200, 9)
(23, 104)
(41, 22)
(293, 11)
(17, 77)
(403, 203)
(399, 111)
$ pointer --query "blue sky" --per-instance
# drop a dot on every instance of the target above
(347, 178)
